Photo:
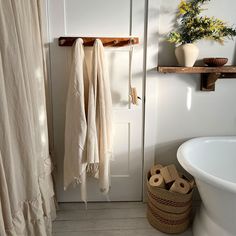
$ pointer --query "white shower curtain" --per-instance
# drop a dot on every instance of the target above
(26, 190)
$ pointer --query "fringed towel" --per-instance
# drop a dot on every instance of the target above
(99, 143)
(75, 160)
(88, 139)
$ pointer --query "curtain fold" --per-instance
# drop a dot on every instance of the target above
(26, 189)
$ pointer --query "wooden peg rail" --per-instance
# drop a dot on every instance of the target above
(209, 75)
(107, 42)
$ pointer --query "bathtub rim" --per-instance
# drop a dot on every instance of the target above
(198, 173)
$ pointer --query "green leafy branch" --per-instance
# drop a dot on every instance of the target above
(193, 27)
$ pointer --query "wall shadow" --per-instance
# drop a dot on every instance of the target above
(166, 153)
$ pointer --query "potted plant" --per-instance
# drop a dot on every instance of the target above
(191, 27)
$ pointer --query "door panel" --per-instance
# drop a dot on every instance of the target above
(119, 77)
(87, 16)
(101, 18)
(120, 165)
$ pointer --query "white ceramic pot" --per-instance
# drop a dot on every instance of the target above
(187, 54)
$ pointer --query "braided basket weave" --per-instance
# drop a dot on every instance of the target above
(167, 211)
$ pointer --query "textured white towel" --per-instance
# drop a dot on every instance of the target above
(88, 138)
(75, 162)
(99, 143)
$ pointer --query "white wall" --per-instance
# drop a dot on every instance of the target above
(184, 112)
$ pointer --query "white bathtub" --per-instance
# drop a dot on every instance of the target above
(212, 162)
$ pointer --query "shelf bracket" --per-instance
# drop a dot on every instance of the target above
(208, 81)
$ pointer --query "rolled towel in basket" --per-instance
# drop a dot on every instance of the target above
(157, 181)
(169, 173)
(156, 169)
(180, 186)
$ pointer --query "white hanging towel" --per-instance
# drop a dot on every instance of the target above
(75, 162)
(99, 143)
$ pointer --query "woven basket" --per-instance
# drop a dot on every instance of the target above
(167, 211)
(167, 226)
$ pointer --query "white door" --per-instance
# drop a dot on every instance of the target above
(109, 18)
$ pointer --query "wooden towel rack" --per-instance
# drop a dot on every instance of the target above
(89, 41)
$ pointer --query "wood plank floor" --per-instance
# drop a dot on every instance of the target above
(104, 219)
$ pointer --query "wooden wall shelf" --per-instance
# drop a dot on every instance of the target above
(209, 75)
